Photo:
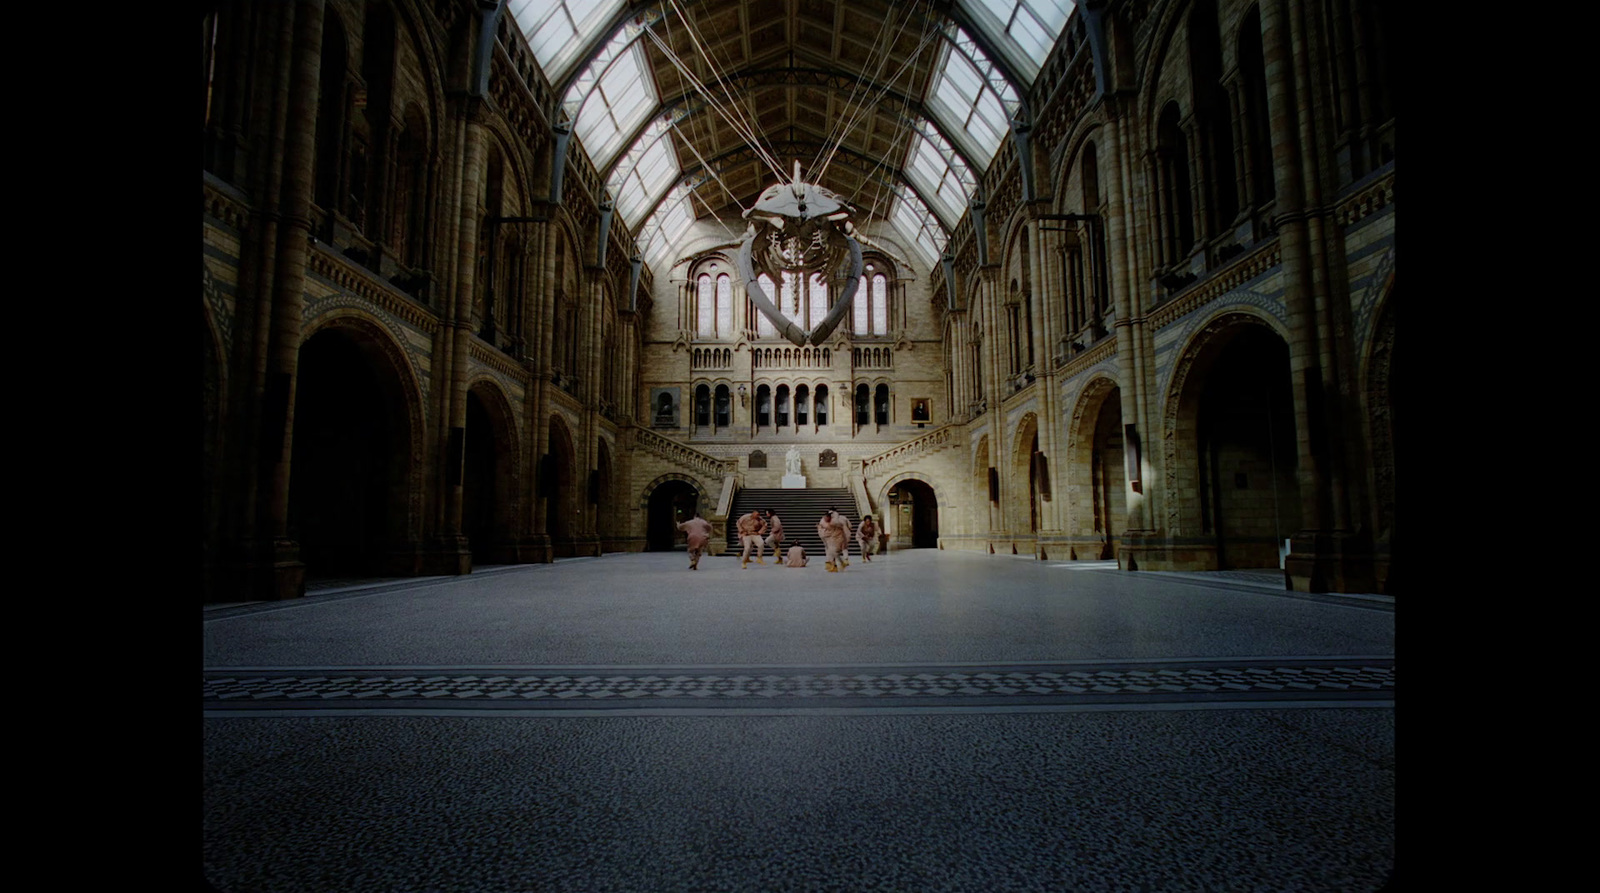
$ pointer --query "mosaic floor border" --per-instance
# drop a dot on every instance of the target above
(964, 685)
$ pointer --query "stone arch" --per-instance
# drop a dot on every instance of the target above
(357, 406)
(1025, 509)
(602, 492)
(662, 500)
(1096, 501)
(491, 473)
(912, 520)
(1202, 504)
(559, 487)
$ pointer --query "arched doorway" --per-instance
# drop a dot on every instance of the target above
(488, 477)
(605, 505)
(561, 504)
(913, 515)
(1097, 498)
(348, 475)
(670, 502)
(1237, 437)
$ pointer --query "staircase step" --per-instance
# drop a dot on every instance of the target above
(798, 509)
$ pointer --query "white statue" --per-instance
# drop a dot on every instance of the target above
(791, 461)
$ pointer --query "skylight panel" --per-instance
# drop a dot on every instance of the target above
(962, 97)
(648, 168)
(938, 173)
(558, 30)
(916, 222)
(1023, 30)
(667, 225)
(618, 104)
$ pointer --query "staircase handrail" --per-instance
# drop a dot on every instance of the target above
(708, 466)
(925, 443)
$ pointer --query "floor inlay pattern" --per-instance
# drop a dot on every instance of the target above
(964, 684)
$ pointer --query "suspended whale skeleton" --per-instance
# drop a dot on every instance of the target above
(800, 227)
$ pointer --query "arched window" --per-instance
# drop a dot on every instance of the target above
(863, 396)
(1172, 172)
(819, 300)
(802, 403)
(702, 406)
(821, 404)
(1255, 127)
(724, 306)
(724, 416)
(705, 308)
(881, 402)
(763, 406)
(783, 406)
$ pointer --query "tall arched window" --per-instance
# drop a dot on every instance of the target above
(724, 415)
(880, 304)
(869, 311)
(763, 406)
(819, 300)
(881, 404)
(821, 404)
(783, 406)
(802, 404)
(705, 308)
(702, 406)
(724, 306)
(863, 396)
(1172, 172)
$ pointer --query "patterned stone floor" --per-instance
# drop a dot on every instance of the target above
(929, 721)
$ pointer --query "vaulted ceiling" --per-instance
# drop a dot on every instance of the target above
(690, 108)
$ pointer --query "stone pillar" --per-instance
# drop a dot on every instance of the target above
(277, 571)
(1333, 550)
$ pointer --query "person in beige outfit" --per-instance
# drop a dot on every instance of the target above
(797, 556)
(867, 538)
(699, 531)
(835, 532)
(775, 536)
(751, 527)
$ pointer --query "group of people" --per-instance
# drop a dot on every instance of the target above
(762, 530)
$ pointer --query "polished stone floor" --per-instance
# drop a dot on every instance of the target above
(926, 721)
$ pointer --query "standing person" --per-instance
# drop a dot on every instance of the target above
(835, 537)
(797, 556)
(750, 529)
(699, 530)
(843, 524)
(775, 536)
(867, 536)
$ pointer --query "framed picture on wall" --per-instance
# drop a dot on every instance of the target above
(919, 409)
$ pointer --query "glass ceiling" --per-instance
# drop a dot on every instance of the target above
(969, 99)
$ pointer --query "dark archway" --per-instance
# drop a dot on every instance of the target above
(601, 496)
(670, 503)
(561, 504)
(348, 481)
(916, 511)
(1248, 488)
(1107, 475)
(483, 491)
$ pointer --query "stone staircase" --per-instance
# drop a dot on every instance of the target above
(799, 510)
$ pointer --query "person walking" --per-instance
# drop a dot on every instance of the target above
(775, 536)
(751, 526)
(843, 524)
(867, 536)
(835, 533)
(699, 531)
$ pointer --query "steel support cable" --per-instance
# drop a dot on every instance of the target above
(746, 129)
(738, 127)
(861, 109)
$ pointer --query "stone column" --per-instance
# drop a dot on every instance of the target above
(278, 572)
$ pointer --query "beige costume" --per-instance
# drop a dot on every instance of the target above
(699, 530)
(774, 535)
(797, 556)
(834, 529)
(867, 538)
(750, 529)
